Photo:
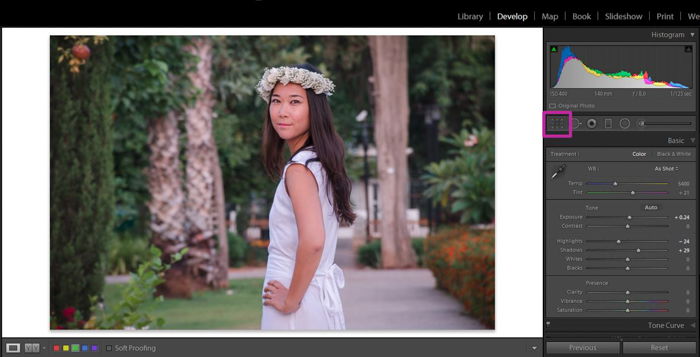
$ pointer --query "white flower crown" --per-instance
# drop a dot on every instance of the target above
(305, 78)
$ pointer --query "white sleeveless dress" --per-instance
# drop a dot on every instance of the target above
(321, 307)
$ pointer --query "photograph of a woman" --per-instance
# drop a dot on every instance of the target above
(276, 183)
(302, 282)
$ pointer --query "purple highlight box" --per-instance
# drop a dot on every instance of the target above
(544, 124)
(94, 348)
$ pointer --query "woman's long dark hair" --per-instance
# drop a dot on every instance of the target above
(328, 147)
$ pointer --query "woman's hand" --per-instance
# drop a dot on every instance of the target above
(276, 296)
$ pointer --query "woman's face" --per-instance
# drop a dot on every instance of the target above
(289, 111)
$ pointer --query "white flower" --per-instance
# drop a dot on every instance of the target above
(471, 141)
(305, 78)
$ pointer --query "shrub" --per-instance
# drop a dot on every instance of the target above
(463, 263)
(129, 313)
(126, 253)
(256, 254)
(237, 247)
(81, 174)
(465, 183)
(370, 254)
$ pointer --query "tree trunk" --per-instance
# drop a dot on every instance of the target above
(220, 224)
(166, 203)
(201, 207)
(390, 68)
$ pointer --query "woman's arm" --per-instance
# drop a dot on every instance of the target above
(303, 191)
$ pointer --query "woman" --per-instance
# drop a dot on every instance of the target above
(301, 288)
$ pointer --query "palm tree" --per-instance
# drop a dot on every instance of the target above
(167, 200)
(205, 203)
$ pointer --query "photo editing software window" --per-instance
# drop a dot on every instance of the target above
(546, 221)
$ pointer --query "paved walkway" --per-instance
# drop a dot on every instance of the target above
(400, 300)
(396, 299)
(384, 299)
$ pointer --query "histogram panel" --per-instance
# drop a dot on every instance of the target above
(621, 66)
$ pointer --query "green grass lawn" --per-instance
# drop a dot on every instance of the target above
(209, 310)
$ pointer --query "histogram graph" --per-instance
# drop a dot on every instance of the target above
(621, 66)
